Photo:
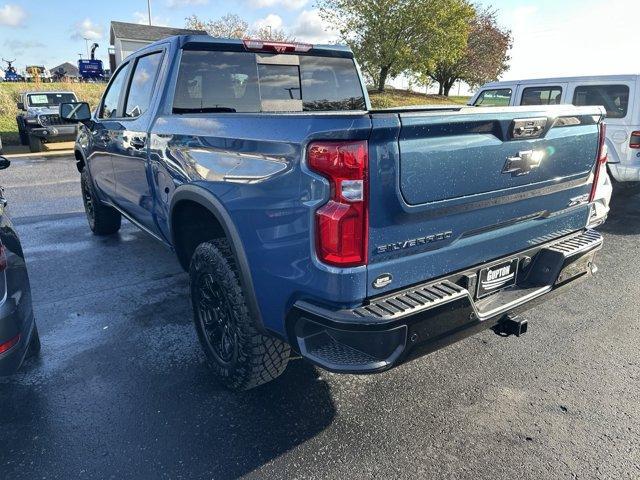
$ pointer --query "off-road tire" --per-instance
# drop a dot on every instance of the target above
(247, 358)
(35, 144)
(24, 136)
(102, 219)
(34, 343)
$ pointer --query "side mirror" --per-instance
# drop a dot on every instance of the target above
(20, 105)
(4, 163)
(75, 112)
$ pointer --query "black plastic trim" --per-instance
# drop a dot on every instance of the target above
(437, 313)
(210, 202)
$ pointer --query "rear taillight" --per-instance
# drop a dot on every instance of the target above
(278, 47)
(601, 163)
(6, 346)
(342, 224)
(635, 140)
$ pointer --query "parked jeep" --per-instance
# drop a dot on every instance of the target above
(39, 119)
(358, 238)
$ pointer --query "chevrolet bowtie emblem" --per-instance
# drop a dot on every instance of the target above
(523, 163)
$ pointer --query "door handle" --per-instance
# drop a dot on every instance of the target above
(137, 143)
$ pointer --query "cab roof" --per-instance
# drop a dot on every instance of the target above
(207, 42)
(585, 78)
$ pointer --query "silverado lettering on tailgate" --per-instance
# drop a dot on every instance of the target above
(414, 242)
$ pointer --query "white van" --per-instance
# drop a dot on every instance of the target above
(619, 94)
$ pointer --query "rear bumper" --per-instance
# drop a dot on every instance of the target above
(11, 360)
(58, 133)
(625, 172)
(387, 331)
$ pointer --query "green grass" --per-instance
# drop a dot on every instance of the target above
(10, 91)
(403, 98)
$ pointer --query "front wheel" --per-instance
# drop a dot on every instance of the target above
(35, 144)
(24, 136)
(102, 219)
(240, 356)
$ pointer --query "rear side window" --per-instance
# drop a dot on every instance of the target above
(109, 108)
(142, 82)
(330, 84)
(614, 98)
(541, 96)
(213, 81)
(500, 97)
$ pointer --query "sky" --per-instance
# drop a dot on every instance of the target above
(551, 37)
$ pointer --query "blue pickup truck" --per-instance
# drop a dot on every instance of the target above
(312, 225)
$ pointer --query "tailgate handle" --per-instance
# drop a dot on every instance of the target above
(526, 128)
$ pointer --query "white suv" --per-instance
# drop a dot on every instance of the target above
(619, 94)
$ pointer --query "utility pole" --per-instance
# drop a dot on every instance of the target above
(149, 10)
(86, 44)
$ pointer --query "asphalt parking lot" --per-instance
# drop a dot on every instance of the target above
(122, 391)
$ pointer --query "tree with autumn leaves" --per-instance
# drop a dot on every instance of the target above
(443, 40)
(234, 26)
(484, 59)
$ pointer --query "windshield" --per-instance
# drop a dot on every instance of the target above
(50, 99)
(214, 81)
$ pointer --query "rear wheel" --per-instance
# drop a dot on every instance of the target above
(102, 219)
(240, 356)
(35, 144)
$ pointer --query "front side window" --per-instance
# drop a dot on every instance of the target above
(142, 82)
(213, 81)
(614, 98)
(541, 96)
(109, 107)
(500, 97)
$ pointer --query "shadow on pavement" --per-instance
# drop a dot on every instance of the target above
(122, 389)
(624, 218)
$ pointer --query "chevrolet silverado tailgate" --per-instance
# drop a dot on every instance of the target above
(452, 189)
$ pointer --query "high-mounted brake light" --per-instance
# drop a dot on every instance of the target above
(278, 47)
(601, 163)
(635, 140)
(342, 224)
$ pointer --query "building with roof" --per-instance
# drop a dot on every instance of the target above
(65, 71)
(126, 38)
